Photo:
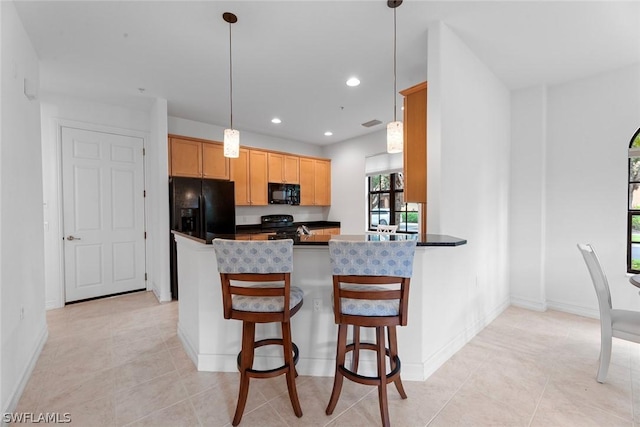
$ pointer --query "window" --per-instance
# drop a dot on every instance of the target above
(633, 213)
(387, 206)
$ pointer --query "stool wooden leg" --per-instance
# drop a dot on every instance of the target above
(246, 362)
(393, 351)
(338, 378)
(355, 354)
(382, 376)
(291, 373)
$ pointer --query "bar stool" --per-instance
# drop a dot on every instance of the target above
(263, 263)
(359, 270)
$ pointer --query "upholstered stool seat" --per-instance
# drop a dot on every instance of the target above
(370, 289)
(256, 288)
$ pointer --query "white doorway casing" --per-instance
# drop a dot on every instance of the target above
(147, 122)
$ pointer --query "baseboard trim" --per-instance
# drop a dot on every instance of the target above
(529, 304)
(574, 309)
(161, 296)
(188, 346)
(439, 358)
(17, 391)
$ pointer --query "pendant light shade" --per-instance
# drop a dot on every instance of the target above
(395, 131)
(395, 135)
(231, 135)
(231, 143)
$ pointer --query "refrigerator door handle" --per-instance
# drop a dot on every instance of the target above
(201, 210)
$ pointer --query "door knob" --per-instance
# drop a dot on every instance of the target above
(73, 238)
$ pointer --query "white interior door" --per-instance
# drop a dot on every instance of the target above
(103, 192)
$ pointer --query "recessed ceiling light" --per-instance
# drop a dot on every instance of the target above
(276, 120)
(328, 133)
(353, 81)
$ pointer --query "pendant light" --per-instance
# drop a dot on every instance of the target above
(395, 131)
(231, 135)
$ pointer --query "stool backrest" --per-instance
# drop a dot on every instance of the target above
(386, 228)
(372, 263)
(255, 261)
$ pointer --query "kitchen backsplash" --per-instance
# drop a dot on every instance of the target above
(246, 215)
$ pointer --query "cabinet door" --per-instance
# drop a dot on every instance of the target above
(322, 184)
(186, 158)
(415, 143)
(258, 176)
(276, 167)
(214, 164)
(332, 231)
(307, 179)
(291, 170)
(240, 175)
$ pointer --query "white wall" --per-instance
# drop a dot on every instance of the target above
(251, 214)
(468, 121)
(590, 123)
(23, 323)
(527, 197)
(348, 187)
(157, 203)
(468, 134)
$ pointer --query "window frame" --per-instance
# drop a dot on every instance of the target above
(392, 192)
(633, 153)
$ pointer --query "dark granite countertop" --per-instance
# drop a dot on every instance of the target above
(312, 225)
(322, 240)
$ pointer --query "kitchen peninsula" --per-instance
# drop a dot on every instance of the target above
(213, 342)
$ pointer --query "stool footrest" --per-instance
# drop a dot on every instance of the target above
(363, 379)
(269, 373)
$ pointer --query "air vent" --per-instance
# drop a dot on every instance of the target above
(371, 123)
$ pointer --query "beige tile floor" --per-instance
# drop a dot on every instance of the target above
(118, 362)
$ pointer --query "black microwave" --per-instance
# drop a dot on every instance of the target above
(284, 194)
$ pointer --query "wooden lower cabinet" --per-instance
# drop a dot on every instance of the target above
(326, 231)
(258, 236)
(331, 231)
(315, 182)
(249, 172)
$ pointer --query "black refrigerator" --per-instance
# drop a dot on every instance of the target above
(199, 207)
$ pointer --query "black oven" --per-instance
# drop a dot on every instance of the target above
(284, 194)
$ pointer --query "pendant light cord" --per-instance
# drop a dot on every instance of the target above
(394, 64)
(230, 81)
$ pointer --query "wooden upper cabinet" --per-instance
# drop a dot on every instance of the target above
(258, 176)
(323, 183)
(284, 168)
(249, 172)
(185, 157)
(239, 168)
(415, 143)
(214, 164)
(315, 182)
(192, 157)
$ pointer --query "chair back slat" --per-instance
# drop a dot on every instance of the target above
(598, 278)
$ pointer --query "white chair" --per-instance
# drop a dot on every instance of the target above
(623, 324)
(386, 228)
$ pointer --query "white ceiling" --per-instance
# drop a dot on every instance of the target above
(291, 59)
